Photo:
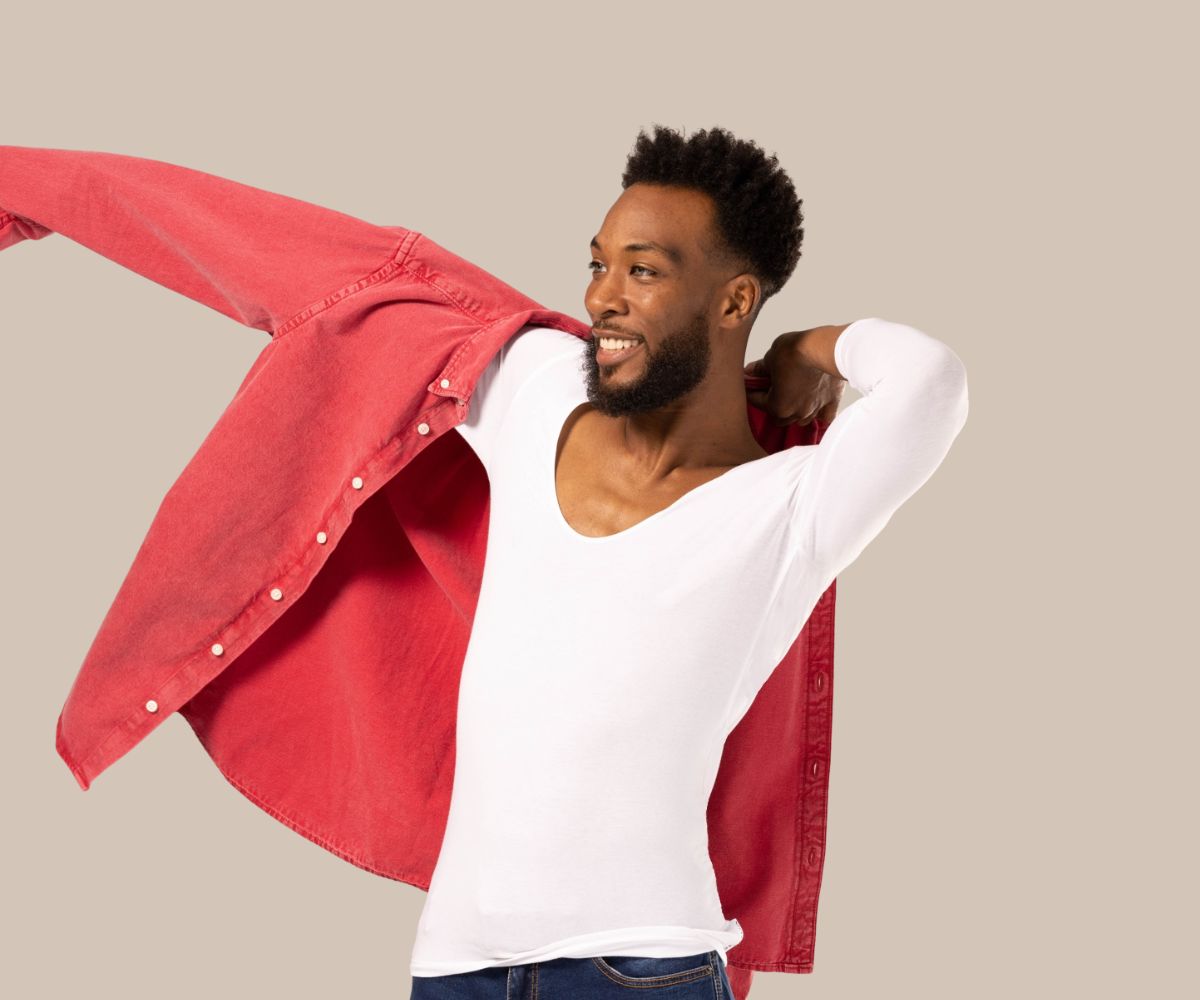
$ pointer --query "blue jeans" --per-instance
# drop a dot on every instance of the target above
(687, 977)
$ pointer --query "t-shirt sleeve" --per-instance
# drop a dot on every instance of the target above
(496, 390)
(882, 447)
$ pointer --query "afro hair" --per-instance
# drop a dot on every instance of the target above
(757, 213)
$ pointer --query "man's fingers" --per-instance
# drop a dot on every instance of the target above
(828, 411)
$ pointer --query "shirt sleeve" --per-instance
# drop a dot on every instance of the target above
(256, 256)
(498, 387)
(882, 447)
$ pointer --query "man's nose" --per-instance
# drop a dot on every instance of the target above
(603, 296)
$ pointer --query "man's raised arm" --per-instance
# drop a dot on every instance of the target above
(258, 257)
(882, 447)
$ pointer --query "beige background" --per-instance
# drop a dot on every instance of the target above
(1013, 789)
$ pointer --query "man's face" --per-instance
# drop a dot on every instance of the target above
(651, 283)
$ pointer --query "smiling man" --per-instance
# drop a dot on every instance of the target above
(648, 567)
(648, 564)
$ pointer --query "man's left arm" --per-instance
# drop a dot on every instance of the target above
(882, 447)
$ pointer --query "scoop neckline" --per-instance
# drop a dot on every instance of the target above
(565, 525)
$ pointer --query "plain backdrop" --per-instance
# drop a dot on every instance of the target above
(1013, 777)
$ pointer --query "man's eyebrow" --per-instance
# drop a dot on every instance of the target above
(666, 251)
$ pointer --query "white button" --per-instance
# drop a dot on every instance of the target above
(321, 537)
(422, 428)
(217, 649)
(152, 705)
(445, 383)
(276, 594)
(356, 482)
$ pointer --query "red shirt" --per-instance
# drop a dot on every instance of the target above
(305, 592)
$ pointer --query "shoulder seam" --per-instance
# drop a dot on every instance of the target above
(395, 261)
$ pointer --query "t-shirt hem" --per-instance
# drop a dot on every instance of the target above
(653, 942)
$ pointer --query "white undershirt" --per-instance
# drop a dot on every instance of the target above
(603, 674)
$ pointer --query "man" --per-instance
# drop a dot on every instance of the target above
(314, 581)
(648, 562)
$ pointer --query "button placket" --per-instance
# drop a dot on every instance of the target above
(276, 593)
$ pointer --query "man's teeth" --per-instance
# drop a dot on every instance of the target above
(616, 343)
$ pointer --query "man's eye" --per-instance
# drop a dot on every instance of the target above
(593, 265)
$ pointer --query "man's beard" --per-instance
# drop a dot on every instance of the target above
(673, 368)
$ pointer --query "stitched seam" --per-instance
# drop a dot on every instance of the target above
(753, 966)
(824, 607)
(456, 359)
(395, 262)
(447, 293)
(315, 837)
(368, 470)
(643, 982)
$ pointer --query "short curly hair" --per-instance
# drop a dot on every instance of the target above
(757, 213)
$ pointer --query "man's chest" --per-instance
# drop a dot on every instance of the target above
(595, 495)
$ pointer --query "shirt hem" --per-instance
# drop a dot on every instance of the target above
(651, 941)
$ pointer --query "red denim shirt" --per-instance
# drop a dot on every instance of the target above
(329, 537)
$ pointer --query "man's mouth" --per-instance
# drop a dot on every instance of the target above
(611, 350)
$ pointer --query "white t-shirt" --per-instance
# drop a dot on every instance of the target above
(603, 674)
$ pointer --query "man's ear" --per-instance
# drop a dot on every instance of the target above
(743, 299)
